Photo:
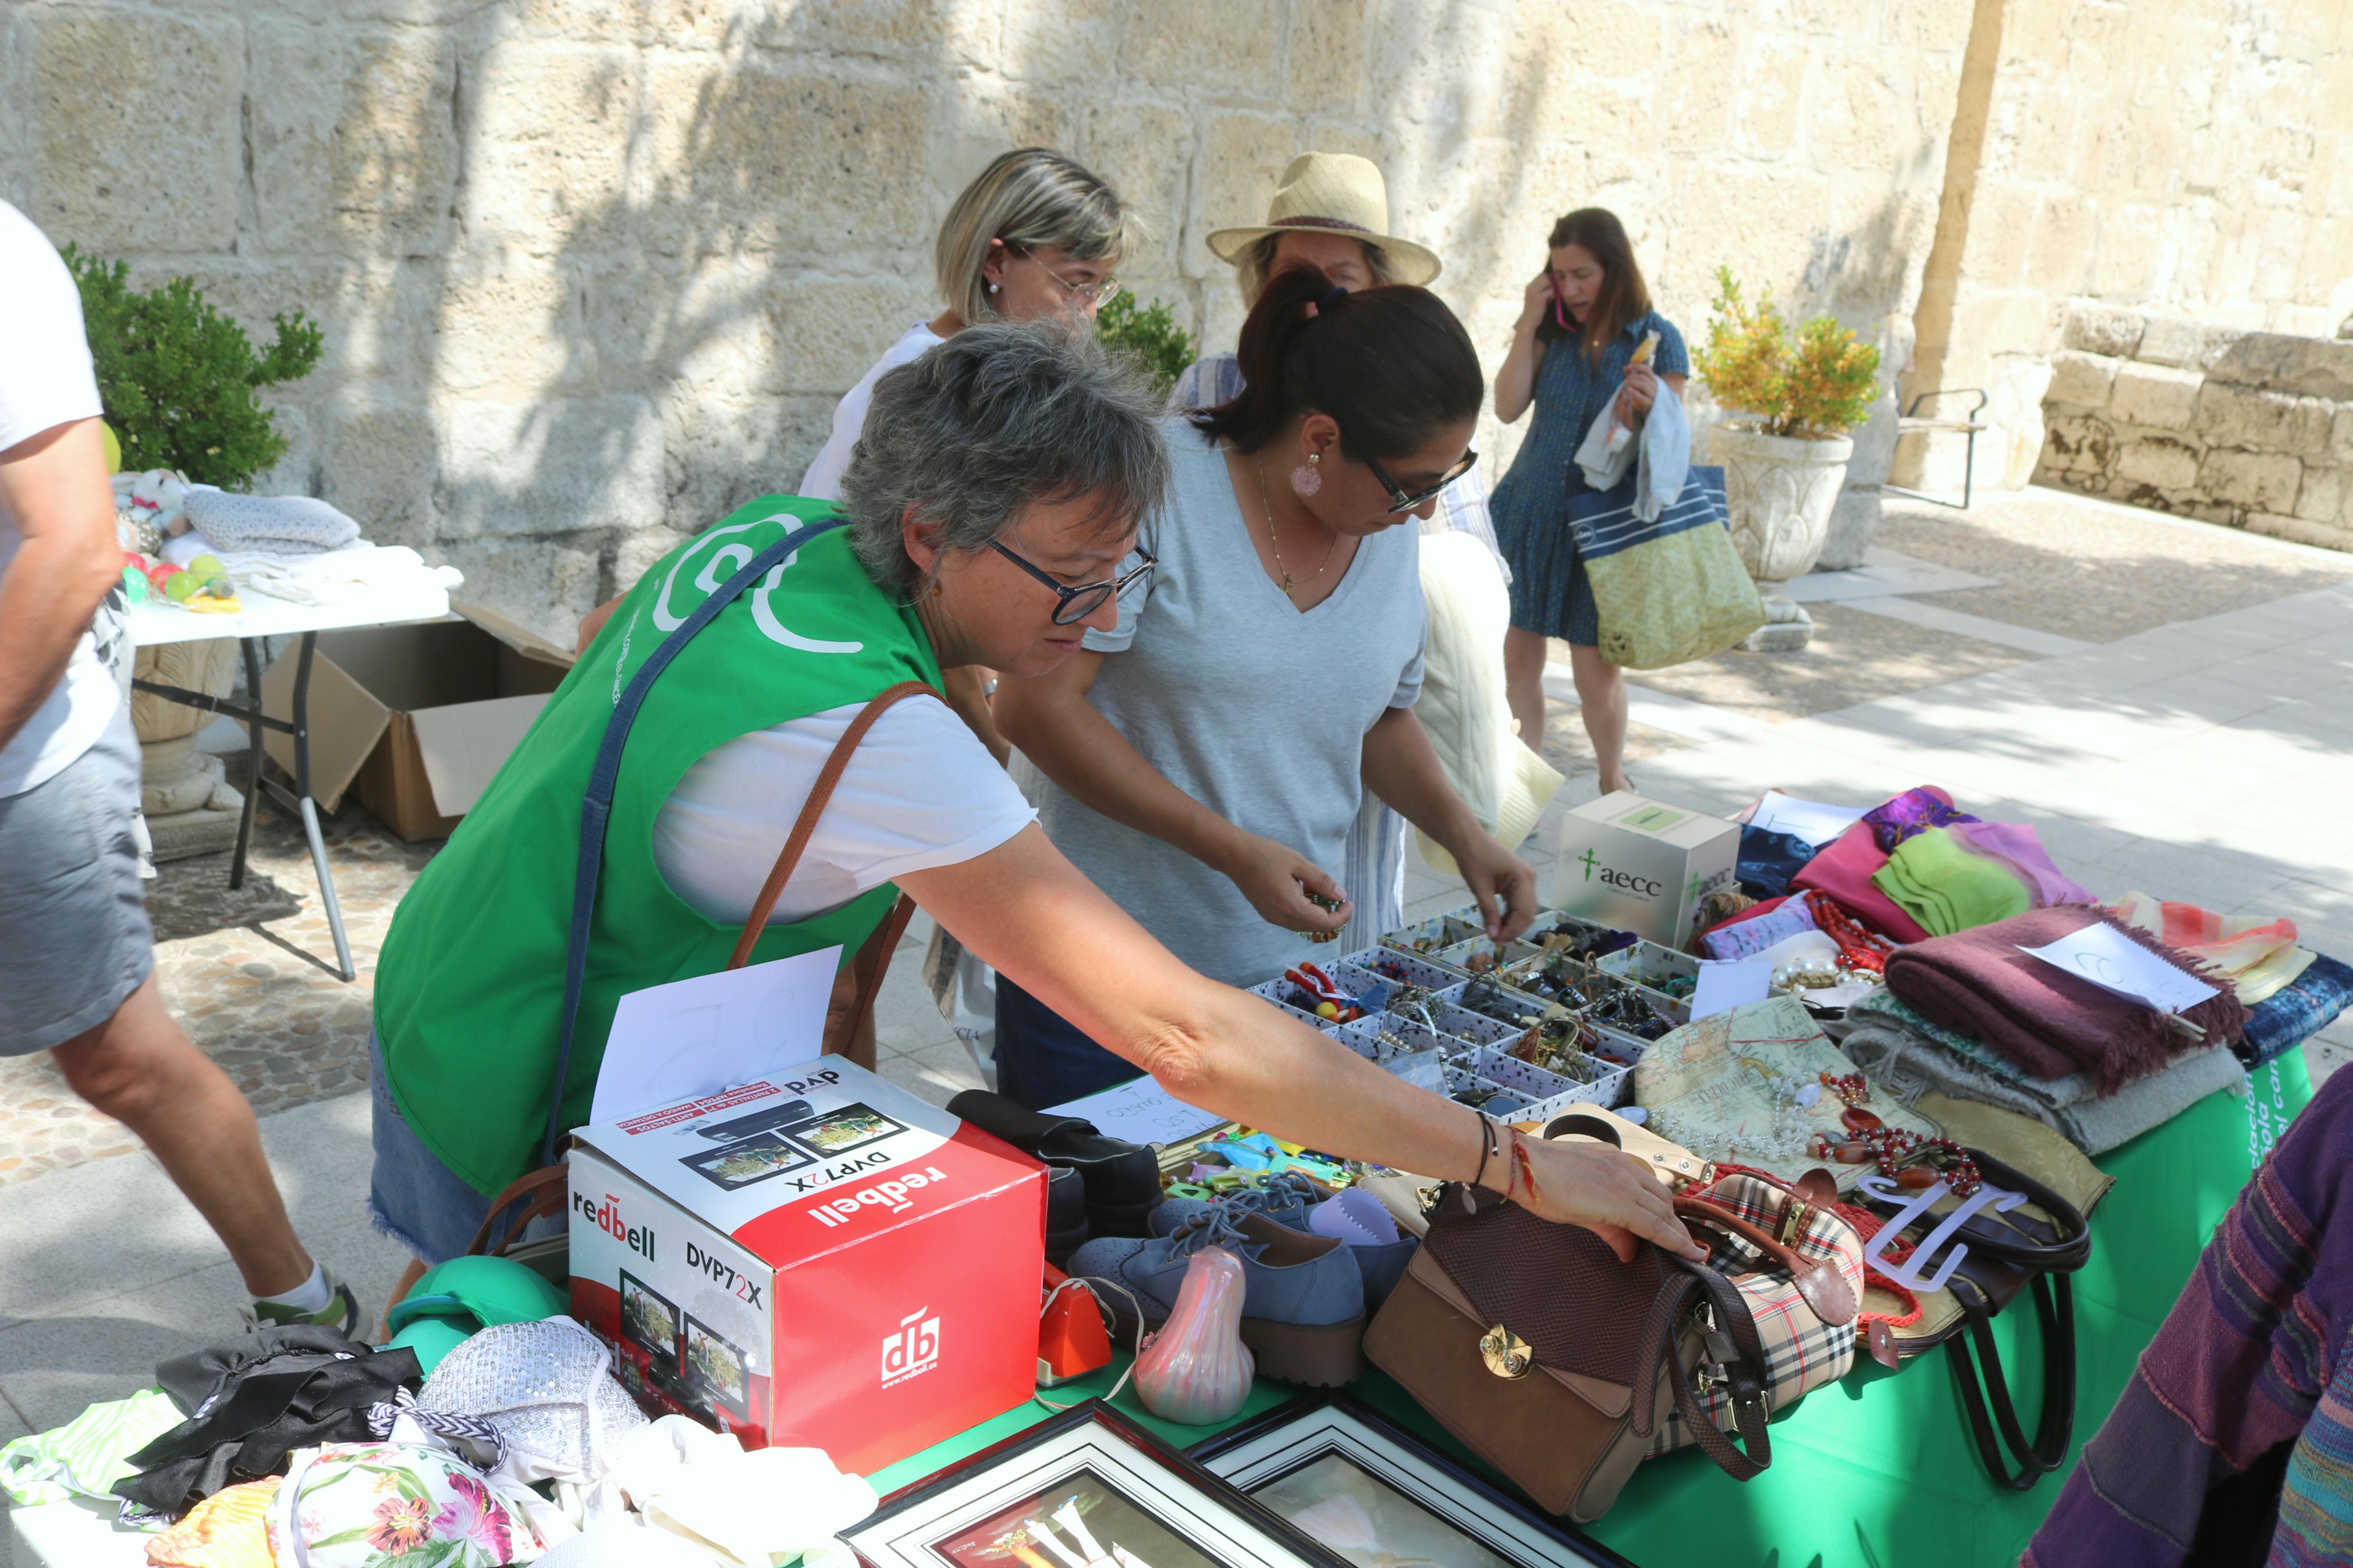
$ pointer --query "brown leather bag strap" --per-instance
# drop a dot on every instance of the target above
(1819, 1284)
(805, 827)
(545, 1189)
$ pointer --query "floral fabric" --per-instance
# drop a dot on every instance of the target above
(394, 1505)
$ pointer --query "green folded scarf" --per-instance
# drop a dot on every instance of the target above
(1936, 881)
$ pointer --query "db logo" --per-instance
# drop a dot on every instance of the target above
(913, 1349)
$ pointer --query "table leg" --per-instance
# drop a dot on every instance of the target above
(301, 717)
(252, 647)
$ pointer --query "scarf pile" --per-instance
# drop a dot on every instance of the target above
(1941, 885)
(2257, 1353)
(2256, 955)
(2047, 1021)
(2292, 1015)
(1913, 812)
(2017, 849)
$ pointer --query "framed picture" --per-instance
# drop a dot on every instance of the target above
(1373, 1495)
(1087, 1490)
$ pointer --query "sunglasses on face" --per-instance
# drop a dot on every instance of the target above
(1078, 604)
(1401, 501)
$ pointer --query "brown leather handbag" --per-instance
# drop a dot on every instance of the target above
(1554, 1361)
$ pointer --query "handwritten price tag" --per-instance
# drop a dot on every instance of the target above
(2114, 962)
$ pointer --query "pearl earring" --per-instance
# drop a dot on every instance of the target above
(992, 288)
(1306, 478)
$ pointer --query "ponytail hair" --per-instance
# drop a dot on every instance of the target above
(1390, 364)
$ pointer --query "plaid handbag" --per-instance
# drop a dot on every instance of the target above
(1801, 1352)
(1669, 591)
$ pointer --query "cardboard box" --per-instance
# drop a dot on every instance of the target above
(414, 720)
(1642, 866)
(817, 1259)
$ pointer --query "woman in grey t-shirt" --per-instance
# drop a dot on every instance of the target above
(1202, 761)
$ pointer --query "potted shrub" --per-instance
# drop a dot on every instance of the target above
(1792, 397)
(1148, 335)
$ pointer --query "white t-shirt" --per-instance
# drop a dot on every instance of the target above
(823, 480)
(920, 791)
(46, 380)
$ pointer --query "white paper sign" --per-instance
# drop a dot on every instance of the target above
(1140, 1111)
(2116, 962)
(697, 1036)
(1810, 820)
(1723, 986)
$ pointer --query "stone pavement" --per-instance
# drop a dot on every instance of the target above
(2198, 745)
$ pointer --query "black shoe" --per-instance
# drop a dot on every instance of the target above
(1122, 1179)
(1066, 1213)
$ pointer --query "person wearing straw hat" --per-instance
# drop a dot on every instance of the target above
(1331, 211)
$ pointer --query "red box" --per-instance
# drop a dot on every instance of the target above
(818, 1259)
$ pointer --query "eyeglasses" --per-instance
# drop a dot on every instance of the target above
(1084, 293)
(1401, 501)
(1078, 604)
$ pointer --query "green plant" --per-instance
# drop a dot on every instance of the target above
(177, 378)
(1814, 383)
(1148, 335)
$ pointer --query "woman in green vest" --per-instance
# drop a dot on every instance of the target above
(994, 492)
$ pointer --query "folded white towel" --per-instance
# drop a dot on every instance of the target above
(338, 575)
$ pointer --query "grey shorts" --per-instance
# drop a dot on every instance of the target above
(74, 937)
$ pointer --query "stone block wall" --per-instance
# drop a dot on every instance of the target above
(2254, 429)
(594, 272)
(2187, 159)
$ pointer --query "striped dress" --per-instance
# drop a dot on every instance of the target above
(1550, 592)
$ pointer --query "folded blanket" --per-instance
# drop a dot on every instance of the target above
(1909, 1057)
(2292, 1015)
(2019, 848)
(338, 575)
(1914, 811)
(282, 525)
(2046, 1020)
(1946, 888)
(2257, 954)
(1843, 867)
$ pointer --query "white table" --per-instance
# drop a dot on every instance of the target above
(157, 620)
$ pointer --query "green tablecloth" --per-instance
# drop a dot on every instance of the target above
(1880, 1471)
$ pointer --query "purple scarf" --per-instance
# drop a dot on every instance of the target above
(2252, 1356)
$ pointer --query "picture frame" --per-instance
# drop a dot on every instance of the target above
(1368, 1491)
(1101, 1490)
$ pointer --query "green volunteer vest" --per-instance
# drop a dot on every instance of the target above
(471, 981)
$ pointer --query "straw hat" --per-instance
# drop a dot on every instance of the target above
(1340, 194)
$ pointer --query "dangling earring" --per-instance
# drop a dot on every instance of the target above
(1306, 479)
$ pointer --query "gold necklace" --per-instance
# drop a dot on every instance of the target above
(1268, 507)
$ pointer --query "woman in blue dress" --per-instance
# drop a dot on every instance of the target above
(1586, 314)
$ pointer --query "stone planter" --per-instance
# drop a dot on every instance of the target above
(1779, 491)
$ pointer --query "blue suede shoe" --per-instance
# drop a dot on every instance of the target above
(1284, 1199)
(1288, 1200)
(1304, 1306)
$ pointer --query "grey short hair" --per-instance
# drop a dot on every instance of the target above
(1000, 415)
(1255, 261)
(1031, 198)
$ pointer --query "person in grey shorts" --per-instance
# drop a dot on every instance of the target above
(77, 954)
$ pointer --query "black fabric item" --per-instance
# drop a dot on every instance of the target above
(1122, 1179)
(254, 1401)
(1767, 861)
(1066, 1213)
